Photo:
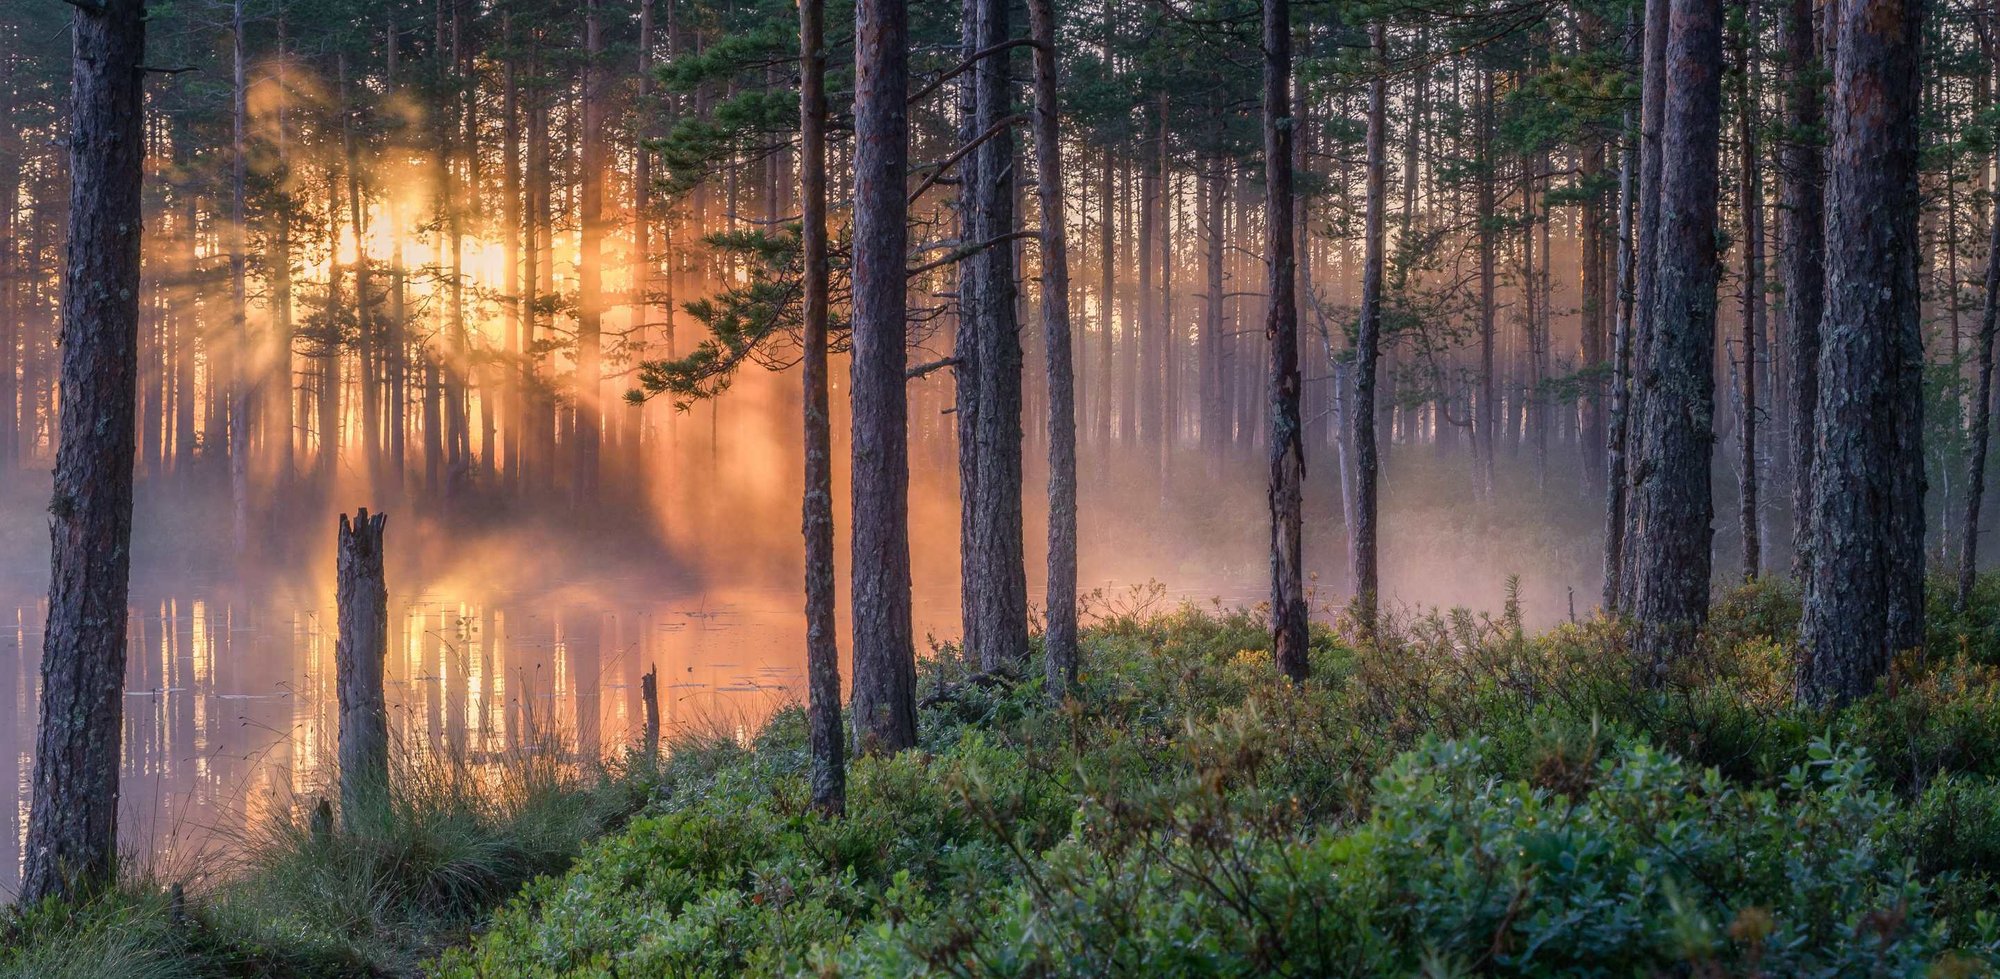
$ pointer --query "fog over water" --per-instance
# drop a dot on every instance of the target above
(513, 627)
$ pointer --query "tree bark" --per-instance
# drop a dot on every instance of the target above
(1621, 378)
(1802, 216)
(884, 705)
(1489, 397)
(1982, 423)
(649, 702)
(994, 569)
(1106, 298)
(1059, 638)
(1672, 506)
(1281, 330)
(72, 839)
(1652, 116)
(1864, 592)
(510, 391)
(1751, 193)
(829, 758)
(368, 342)
(239, 294)
(1367, 348)
(1214, 396)
(11, 325)
(361, 599)
(590, 264)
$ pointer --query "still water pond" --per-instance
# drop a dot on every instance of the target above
(230, 708)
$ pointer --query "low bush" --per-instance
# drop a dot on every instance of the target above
(387, 890)
(1456, 798)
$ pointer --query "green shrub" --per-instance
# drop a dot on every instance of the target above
(1939, 720)
(1659, 868)
(1455, 798)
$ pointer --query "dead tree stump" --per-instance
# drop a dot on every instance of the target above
(649, 693)
(362, 598)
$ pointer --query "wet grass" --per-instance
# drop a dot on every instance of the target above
(400, 880)
(1183, 791)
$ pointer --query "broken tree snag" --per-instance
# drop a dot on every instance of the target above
(649, 692)
(362, 599)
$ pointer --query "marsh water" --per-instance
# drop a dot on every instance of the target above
(530, 636)
(230, 710)
(230, 706)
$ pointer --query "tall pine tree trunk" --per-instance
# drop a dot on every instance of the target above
(884, 705)
(1672, 506)
(1059, 637)
(72, 839)
(994, 566)
(590, 264)
(1169, 335)
(1617, 442)
(12, 330)
(1281, 331)
(1982, 423)
(1367, 348)
(1591, 310)
(1803, 268)
(239, 292)
(1489, 395)
(1106, 303)
(1652, 121)
(1145, 357)
(368, 340)
(1864, 591)
(829, 749)
(509, 390)
(1751, 195)
(1214, 384)
(398, 339)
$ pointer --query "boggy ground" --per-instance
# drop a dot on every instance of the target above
(1459, 798)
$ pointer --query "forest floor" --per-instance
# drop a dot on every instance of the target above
(1458, 798)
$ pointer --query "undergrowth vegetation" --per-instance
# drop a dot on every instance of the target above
(377, 897)
(1459, 797)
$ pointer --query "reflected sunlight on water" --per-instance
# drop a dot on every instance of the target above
(230, 710)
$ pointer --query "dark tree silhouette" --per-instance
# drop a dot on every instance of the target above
(1672, 505)
(1802, 268)
(72, 839)
(1368, 345)
(1864, 589)
(829, 760)
(1652, 116)
(885, 709)
(989, 370)
(361, 596)
(1281, 331)
(1059, 637)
